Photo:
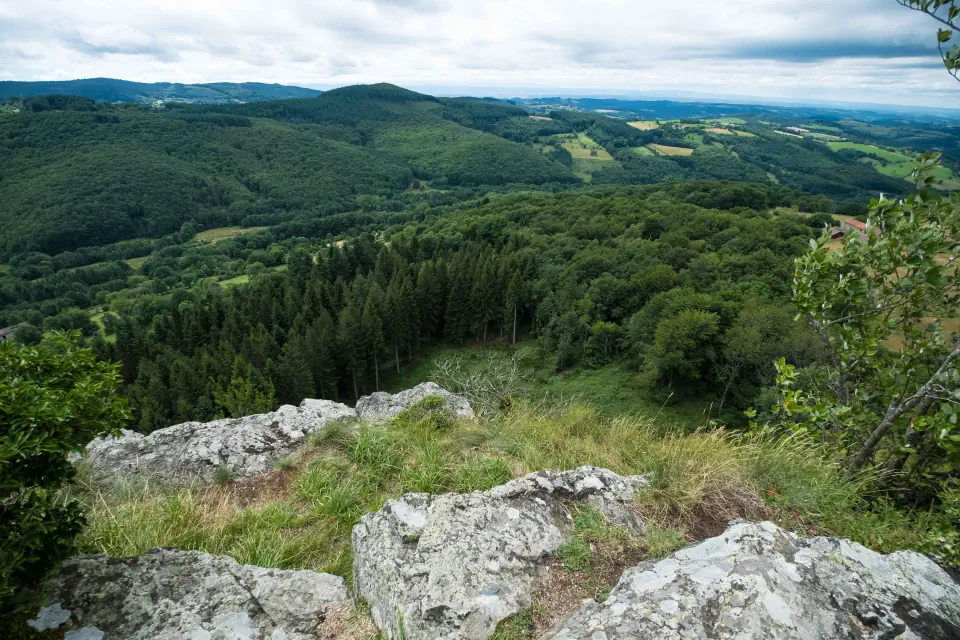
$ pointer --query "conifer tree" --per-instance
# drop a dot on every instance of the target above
(351, 341)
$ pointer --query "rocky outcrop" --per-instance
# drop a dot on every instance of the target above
(189, 595)
(195, 450)
(454, 565)
(757, 581)
(382, 406)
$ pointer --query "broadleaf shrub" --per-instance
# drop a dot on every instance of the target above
(54, 398)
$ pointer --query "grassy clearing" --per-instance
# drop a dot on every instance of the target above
(136, 263)
(664, 150)
(792, 135)
(725, 122)
(301, 517)
(642, 151)
(899, 165)
(719, 131)
(613, 389)
(225, 233)
(235, 281)
(645, 125)
(582, 147)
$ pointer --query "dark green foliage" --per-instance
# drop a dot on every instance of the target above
(78, 174)
(54, 399)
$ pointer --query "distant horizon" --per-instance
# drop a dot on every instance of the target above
(507, 93)
(857, 51)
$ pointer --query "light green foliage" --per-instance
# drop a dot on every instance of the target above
(246, 393)
(519, 626)
(223, 474)
(54, 399)
(575, 555)
(885, 402)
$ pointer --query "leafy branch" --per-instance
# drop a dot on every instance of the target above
(948, 14)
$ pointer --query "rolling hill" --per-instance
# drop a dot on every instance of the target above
(112, 90)
(79, 174)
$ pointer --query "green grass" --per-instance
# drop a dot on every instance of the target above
(136, 263)
(642, 151)
(225, 233)
(613, 389)
(894, 164)
(235, 281)
(709, 475)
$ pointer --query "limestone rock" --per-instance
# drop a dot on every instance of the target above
(194, 450)
(758, 581)
(382, 406)
(175, 595)
(454, 565)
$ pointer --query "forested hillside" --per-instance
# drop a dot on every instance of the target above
(79, 174)
(656, 278)
(112, 90)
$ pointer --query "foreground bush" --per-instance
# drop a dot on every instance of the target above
(54, 399)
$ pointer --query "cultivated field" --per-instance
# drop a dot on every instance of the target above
(645, 125)
(670, 151)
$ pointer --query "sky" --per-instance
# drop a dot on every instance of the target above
(871, 51)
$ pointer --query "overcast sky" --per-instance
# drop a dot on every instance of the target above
(854, 50)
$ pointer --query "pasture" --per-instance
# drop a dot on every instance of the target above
(582, 147)
(645, 125)
(225, 233)
(136, 263)
(664, 150)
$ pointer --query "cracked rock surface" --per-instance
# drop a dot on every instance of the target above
(758, 581)
(382, 406)
(194, 450)
(454, 565)
(189, 595)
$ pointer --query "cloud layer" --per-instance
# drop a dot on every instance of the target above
(861, 50)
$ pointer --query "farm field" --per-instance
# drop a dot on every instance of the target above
(582, 147)
(645, 125)
(898, 165)
(670, 151)
(724, 122)
(642, 151)
(225, 233)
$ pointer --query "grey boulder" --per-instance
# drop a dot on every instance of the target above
(190, 595)
(758, 581)
(454, 565)
(383, 407)
(195, 450)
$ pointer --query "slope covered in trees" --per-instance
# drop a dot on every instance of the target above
(678, 290)
(79, 174)
(112, 90)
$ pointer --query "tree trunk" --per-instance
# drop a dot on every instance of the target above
(894, 411)
(514, 324)
(356, 392)
(484, 333)
(376, 373)
(396, 355)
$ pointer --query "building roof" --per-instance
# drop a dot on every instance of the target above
(856, 224)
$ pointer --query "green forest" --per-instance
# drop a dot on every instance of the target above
(696, 280)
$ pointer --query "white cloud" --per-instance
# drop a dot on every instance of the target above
(869, 50)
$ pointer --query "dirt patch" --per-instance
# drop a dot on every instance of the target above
(263, 489)
(343, 623)
(561, 591)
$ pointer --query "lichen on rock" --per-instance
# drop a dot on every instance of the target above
(758, 581)
(383, 407)
(176, 595)
(194, 451)
(454, 565)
